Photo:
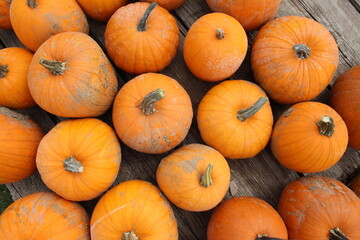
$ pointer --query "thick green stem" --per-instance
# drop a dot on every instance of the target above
(142, 24)
(265, 237)
(220, 34)
(206, 180)
(302, 51)
(147, 105)
(326, 126)
(3, 70)
(129, 236)
(32, 3)
(56, 67)
(242, 115)
(337, 234)
(73, 165)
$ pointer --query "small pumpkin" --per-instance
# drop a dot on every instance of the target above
(79, 159)
(251, 14)
(309, 137)
(215, 46)
(235, 118)
(320, 208)
(355, 185)
(5, 14)
(44, 215)
(70, 76)
(294, 58)
(152, 113)
(101, 10)
(19, 140)
(195, 177)
(133, 210)
(142, 37)
(14, 66)
(168, 4)
(246, 218)
(345, 99)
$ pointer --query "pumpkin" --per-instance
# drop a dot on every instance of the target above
(320, 208)
(294, 59)
(79, 159)
(309, 137)
(345, 99)
(70, 76)
(19, 140)
(168, 4)
(195, 177)
(214, 47)
(355, 185)
(152, 113)
(133, 210)
(44, 215)
(235, 118)
(246, 218)
(5, 14)
(14, 90)
(101, 10)
(142, 37)
(251, 14)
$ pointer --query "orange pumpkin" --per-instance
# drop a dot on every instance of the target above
(35, 21)
(133, 210)
(79, 159)
(345, 99)
(70, 76)
(44, 216)
(355, 185)
(320, 208)
(235, 118)
(152, 113)
(14, 90)
(246, 218)
(215, 46)
(309, 137)
(195, 177)
(168, 4)
(101, 10)
(294, 59)
(5, 14)
(142, 37)
(19, 140)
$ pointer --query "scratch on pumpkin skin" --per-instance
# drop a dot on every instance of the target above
(110, 213)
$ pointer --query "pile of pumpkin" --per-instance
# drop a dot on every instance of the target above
(293, 60)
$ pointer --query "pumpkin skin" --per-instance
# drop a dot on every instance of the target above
(345, 99)
(154, 128)
(222, 127)
(214, 47)
(195, 177)
(14, 90)
(132, 49)
(19, 140)
(297, 143)
(101, 10)
(44, 215)
(136, 206)
(82, 82)
(5, 14)
(312, 206)
(79, 159)
(168, 4)
(294, 59)
(245, 218)
(33, 27)
(355, 185)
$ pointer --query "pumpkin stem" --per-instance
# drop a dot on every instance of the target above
(243, 115)
(302, 51)
(220, 34)
(73, 165)
(147, 105)
(265, 237)
(206, 180)
(56, 67)
(129, 236)
(326, 126)
(142, 24)
(337, 234)
(3, 70)
(32, 3)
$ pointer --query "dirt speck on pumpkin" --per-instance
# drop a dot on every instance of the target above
(287, 112)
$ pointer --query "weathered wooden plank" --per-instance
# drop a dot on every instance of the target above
(356, 4)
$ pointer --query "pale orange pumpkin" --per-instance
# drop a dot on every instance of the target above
(101, 10)
(5, 14)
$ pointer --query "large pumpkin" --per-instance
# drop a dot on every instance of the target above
(35, 21)
(246, 218)
(309, 137)
(19, 140)
(320, 208)
(133, 210)
(194, 177)
(142, 37)
(101, 10)
(14, 66)
(215, 46)
(294, 59)
(152, 113)
(168, 4)
(44, 216)
(5, 14)
(235, 118)
(345, 99)
(79, 159)
(251, 14)
(70, 76)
